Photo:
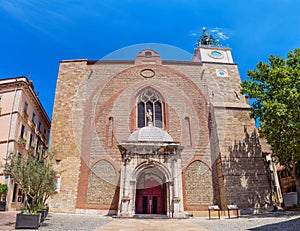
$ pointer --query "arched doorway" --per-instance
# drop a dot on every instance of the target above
(150, 193)
(150, 178)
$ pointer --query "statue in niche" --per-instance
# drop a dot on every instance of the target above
(149, 116)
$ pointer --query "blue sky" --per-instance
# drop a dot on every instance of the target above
(37, 34)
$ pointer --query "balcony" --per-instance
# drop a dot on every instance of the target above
(33, 125)
(31, 150)
(38, 133)
(25, 116)
(22, 142)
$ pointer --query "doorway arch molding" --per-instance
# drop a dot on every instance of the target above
(152, 164)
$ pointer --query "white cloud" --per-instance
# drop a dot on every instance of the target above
(43, 16)
(219, 33)
(222, 35)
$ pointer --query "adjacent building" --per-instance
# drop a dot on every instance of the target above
(151, 136)
(24, 126)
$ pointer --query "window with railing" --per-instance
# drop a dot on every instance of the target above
(22, 131)
(33, 118)
(30, 139)
(25, 107)
(37, 146)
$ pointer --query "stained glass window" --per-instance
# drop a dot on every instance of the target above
(150, 100)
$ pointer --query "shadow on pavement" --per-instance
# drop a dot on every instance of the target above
(287, 214)
(291, 225)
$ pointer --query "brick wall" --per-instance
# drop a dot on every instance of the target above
(95, 109)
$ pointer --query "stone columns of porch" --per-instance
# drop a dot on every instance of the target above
(126, 196)
(177, 201)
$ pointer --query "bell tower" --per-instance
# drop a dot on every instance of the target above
(208, 49)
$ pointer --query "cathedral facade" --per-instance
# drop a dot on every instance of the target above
(151, 136)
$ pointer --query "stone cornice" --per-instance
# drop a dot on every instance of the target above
(10, 84)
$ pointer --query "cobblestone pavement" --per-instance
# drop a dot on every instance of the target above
(283, 221)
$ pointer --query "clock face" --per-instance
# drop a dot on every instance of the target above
(215, 54)
(222, 73)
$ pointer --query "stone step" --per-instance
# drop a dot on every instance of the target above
(151, 216)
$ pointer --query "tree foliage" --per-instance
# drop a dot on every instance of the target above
(35, 177)
(275, 88)
(3, 190)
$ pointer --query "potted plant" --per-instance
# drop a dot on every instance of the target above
(3, 191)
(37, 181)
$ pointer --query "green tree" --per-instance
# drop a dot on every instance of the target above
(35, 177)
(3, 190)
(275, 90)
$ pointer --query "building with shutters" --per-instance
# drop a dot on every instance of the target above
(24, 126)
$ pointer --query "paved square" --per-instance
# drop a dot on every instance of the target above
(151, 224)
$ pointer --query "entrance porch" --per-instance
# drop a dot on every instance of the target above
(150, 179)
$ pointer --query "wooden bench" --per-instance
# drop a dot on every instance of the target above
(213, 208)
(233, 208)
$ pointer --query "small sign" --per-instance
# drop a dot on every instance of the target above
(58, 180)
(232, 206)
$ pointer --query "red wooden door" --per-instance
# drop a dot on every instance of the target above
(150, 200)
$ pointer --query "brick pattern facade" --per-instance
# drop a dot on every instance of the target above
(198, 186)
(95, 109)
(101, 183)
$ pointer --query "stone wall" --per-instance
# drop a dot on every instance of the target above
(102, 184)
(95, 109)
(241, 164)
(198, 186)
(62, 138)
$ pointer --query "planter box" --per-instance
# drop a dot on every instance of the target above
(28, 221)
(2, 205)
(290, 199)
(47, 211)
(43, 213)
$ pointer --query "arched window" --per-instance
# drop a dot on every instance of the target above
(149, 100)
(188, 131)
(110, 137)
